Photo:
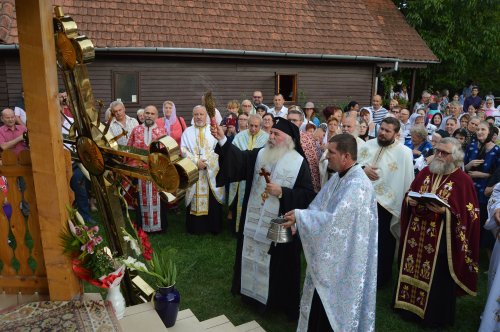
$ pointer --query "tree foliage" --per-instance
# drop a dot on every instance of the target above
(464, 35)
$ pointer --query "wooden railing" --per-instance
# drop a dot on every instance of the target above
(22, 267)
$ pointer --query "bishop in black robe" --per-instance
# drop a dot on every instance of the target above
(284, 281)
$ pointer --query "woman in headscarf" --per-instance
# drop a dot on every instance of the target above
(489, 107)
(174, 125)
(365, 115)
(416, 120)
(363, 130)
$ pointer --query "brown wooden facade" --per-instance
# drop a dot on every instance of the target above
(184, 80)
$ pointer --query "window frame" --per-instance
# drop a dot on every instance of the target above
(277, 87)
(137, 86)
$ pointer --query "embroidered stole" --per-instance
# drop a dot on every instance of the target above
(255, 260)
(420, 249)
(149, 201)
(244, 141)
(201, 147)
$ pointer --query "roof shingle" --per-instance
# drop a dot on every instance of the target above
(334, 27)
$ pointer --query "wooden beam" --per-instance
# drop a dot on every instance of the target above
(38, 283)
(39, 74)
(412, 91)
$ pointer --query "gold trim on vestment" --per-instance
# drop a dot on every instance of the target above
(450, 257)
(211, 189)
(200, 199)
(412, 281)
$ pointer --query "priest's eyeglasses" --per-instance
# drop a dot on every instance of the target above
(442, 152)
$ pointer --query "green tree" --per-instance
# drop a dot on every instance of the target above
(464, 35)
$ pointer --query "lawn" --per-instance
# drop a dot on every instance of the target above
(205, 264)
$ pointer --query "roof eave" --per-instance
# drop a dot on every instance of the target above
(242, 53)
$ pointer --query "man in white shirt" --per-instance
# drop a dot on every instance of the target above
(279, 109)
(122, 124)
(404, 118)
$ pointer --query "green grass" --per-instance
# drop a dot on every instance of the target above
(205, 268)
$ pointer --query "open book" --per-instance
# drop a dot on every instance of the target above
(427, 198)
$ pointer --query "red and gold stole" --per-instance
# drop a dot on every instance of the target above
(421, 232)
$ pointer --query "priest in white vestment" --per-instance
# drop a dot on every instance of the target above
(490, 318)
(252, 138)
(339, 237)
(203, 199)
(389, 165)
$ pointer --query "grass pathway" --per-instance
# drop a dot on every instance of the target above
(205, 265)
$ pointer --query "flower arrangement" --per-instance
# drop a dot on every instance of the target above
(91, 260)
(94, 263)
(159, 265)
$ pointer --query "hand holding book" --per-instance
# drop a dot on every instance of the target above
(428, 198)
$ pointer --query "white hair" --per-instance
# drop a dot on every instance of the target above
(272, 153)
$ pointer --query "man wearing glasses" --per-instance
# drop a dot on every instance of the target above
(258, 99)
(396, 111)
(439, 249)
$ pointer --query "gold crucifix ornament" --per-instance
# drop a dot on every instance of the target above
(92, 145)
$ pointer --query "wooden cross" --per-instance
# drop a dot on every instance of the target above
(265, 174)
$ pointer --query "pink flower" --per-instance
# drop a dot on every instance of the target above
(89, 246)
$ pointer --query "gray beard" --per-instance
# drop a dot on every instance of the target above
(149, 122)
(440, 167)
(271, 155)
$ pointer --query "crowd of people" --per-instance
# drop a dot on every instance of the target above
(358, 186)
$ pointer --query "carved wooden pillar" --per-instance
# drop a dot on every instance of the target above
(39, 74)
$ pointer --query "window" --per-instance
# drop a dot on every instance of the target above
(286, 84)
(126, 87)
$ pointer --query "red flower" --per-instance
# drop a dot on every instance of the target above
(147, 251)
(108, 280)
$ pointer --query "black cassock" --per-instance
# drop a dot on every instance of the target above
(284, 284)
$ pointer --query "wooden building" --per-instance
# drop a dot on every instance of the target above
(149, 51)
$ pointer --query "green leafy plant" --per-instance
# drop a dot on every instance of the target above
(158, 264)
(163, 265)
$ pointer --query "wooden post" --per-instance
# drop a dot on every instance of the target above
(413, 82)
(39, 74)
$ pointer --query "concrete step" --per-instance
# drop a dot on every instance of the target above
(186, 322)
(251, 326)
(12, 300)
(218, 324)
(141, 317)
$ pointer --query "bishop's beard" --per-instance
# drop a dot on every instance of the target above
(272, 153)
(441, 167)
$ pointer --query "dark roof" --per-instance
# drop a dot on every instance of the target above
(373, 28)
